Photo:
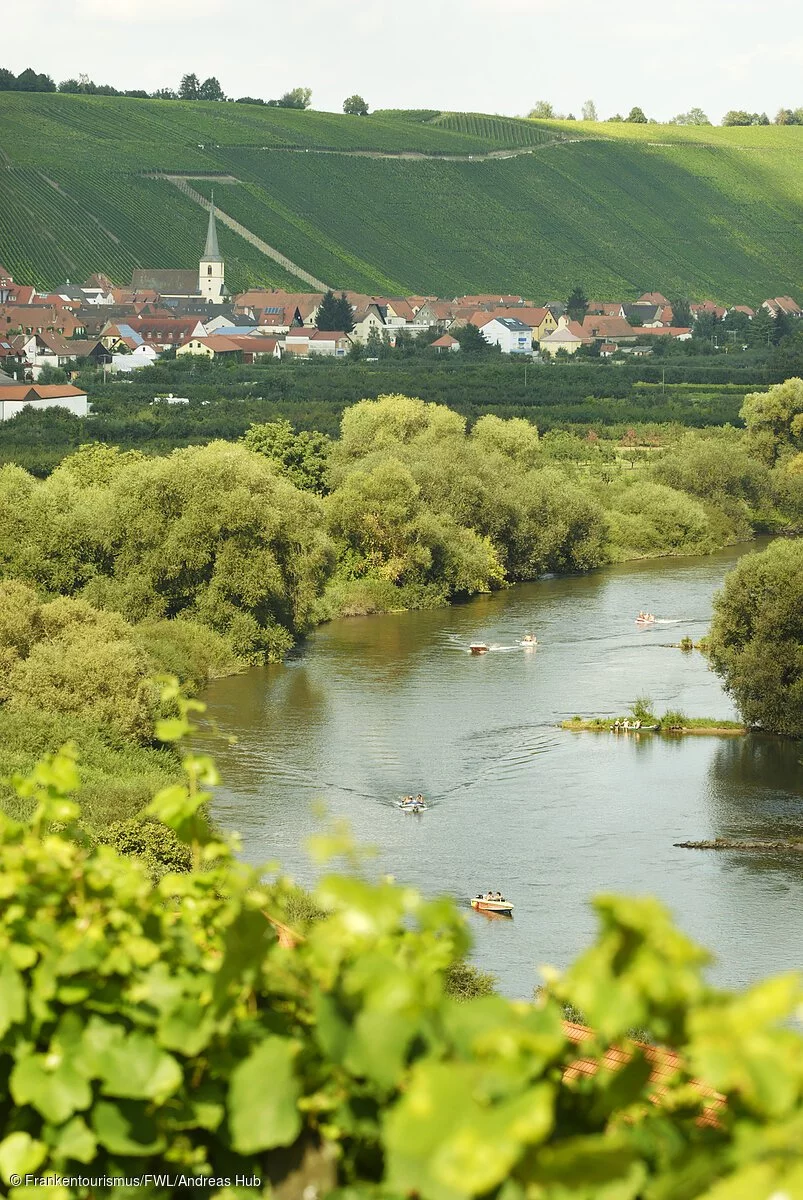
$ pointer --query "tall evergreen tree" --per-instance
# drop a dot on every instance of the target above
(577, 304)
(329, 312)
(345, 314)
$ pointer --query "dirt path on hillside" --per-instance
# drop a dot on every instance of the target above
(180, 181)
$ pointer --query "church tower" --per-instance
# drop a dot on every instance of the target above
(210, 271)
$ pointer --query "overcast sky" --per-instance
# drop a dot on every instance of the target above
(476, 55)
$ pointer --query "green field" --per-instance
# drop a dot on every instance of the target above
(702, 211)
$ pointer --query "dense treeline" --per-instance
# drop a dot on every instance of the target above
(190, 88)
(225, 398)
(118, 566)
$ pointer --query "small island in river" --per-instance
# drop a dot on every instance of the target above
(670, 725)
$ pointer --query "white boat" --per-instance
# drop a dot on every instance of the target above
(529, 639)
(487, 904)
(479, 648)
(414, 806)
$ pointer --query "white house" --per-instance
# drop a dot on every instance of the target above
(15, 396)
(141, 356)
(510, 334)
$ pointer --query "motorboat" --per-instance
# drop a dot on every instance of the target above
(412, 804)
(529, 639)
(479, 648)
(491, 902)
(645, 618)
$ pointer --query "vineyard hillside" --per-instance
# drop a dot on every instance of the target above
(427, 202)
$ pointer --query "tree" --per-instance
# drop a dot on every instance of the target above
(636, 116)
(617, 117)
(590, 111)
(29, 81)
(577, 304)
(355, 106)
(210, 89)
(774, 418)
(302, 457)
(695, 116)
(8, 80)
(70, 87)
(681, 313)
(328, 312)
(787, 358)
(164, 94)
(542, 110)
(296, 98)
(756, 639)
(762, 328)
(344, 313)
(739, 116)
(789, 116)
(471, 340)
(188, 88)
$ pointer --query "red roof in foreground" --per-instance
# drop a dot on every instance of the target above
(446, 340)
(39, 391)
(664, 1064)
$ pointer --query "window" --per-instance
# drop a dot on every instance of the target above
(209, 270)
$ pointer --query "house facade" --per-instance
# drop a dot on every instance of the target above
(15, 396)
(510, 334)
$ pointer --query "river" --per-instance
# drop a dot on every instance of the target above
(371, 708)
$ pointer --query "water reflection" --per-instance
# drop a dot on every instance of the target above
(374, 708)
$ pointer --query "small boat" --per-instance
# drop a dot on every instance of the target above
(645, 618)
(479, 648)
(488, 903)
(529, 639)
(411, 804)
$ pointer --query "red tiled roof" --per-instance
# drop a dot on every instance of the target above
(662, 331)
(664, 1065)
(49, 391)
(607, 327)
(445, 340)
(655, 298)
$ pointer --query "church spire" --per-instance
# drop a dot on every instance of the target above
(212, 250)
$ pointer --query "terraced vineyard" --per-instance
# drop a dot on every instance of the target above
(66, 224)
(619, 208)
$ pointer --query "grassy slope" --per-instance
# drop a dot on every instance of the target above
(621, 208)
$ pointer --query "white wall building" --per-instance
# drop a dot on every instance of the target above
(15, 396)
(510, 334)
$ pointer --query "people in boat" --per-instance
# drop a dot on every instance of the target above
(529, 639)
(419, 799)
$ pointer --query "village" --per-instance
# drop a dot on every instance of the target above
(184, 312)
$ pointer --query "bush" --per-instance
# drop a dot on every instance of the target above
(756, 639)
(642, 709)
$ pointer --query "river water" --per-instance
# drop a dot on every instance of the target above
(371, 708)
